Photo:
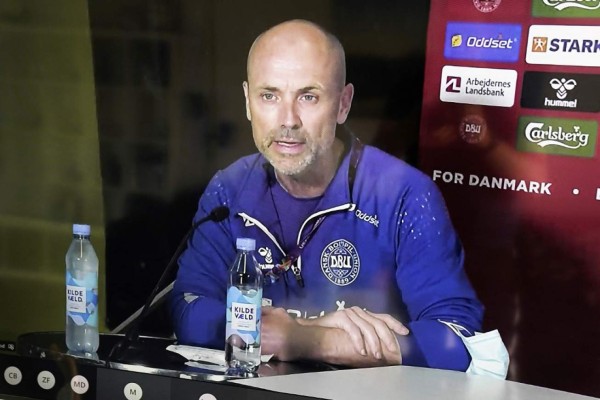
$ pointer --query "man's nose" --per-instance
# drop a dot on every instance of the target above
(290, 118)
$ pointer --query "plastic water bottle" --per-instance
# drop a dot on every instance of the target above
(81, 331)
(244, 300)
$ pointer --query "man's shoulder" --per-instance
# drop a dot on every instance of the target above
(377, 162)
(242, 168)
(246, 172)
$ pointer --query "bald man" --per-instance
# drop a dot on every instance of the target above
(360, 258)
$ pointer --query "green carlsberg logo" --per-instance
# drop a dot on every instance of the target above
(566, 8)
(566, 137)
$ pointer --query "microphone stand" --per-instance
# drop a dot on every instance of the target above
(132, 334)
(156, 302)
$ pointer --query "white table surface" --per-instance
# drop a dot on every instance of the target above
(402, 382)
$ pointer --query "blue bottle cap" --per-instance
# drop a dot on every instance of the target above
(81, 229)
(247, 244)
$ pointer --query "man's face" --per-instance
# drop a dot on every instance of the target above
(294, 99)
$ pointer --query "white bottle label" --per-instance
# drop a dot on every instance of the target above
(243, 316)
(82, 299)
(76, 299)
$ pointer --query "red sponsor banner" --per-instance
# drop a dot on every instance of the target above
(509, 133)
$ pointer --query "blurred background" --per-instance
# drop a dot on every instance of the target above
(117, 113)
(170, 107)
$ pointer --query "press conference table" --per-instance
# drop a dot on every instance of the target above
(402, 382)
(39, 349)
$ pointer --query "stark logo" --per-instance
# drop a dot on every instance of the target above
(340, 262)
(539, 44)
(486, 6)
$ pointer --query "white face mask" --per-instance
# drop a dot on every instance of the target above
(489, 356)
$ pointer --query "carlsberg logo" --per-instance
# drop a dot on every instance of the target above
(564, 4)
(560, 136)
(566, 8)
(543, 136)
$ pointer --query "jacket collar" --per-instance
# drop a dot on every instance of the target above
(254, 198)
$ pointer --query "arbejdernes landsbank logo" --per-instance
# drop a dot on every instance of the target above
(485, 86)
(566, 8)
(559, 136)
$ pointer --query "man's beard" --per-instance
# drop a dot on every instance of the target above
(285, 164)
(289, 167)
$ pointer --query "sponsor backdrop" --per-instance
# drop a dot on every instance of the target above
(509, 132)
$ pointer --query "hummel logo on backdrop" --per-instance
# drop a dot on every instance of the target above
(562, 86)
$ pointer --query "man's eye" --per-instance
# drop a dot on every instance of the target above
(309, 97)
(268, 96)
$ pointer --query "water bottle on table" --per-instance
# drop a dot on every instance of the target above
(81, 331)
(244, 298)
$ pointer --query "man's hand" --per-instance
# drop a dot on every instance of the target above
(352, 337)
(368, 331)
(278, 333)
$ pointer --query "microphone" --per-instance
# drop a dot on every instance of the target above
(217, 214)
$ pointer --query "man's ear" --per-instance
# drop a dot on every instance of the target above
(345, 103)
(248, 114)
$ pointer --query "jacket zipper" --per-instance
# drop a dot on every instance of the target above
(246, 217)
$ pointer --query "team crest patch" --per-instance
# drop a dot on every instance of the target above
(486, 6)
(340, 262)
